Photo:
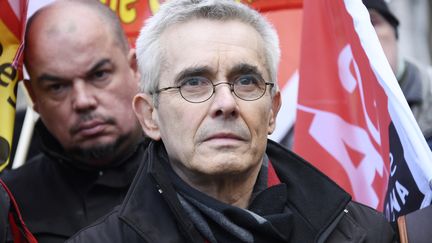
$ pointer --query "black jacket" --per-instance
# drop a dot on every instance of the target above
(151, 211)
(58, 196)
(4, 213)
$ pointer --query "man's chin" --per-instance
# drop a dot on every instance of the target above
(99, 153)
(93, 153)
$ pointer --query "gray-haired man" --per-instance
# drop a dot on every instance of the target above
(209, 99)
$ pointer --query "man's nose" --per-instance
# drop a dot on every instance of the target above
(224, 102)
(83, 97)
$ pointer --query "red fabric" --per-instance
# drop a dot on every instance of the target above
(273, 179)
(342, 117)
(20, 232)
(133, 14)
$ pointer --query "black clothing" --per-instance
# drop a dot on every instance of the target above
(12, 227)
(220, 222)
(58, 196)
(321, 211)
(415, 83)
(4, 212)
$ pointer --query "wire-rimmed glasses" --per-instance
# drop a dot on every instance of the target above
(199, 89)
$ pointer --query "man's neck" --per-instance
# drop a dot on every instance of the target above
(231, 189)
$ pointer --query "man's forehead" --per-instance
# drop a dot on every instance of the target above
(65, 17)
(204, 29)
(56, 74)
(218, 45)
(210, 36)
(207, 70)
(48, 42)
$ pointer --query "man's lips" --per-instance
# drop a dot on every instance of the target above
(90, 128)
(223, 137)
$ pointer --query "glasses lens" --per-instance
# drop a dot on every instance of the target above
(249, 87)
(196, 89)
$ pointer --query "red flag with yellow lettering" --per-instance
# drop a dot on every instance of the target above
(132, 14)
(12, 24)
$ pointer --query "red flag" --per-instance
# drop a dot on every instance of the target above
(132, 14)
(352, 118)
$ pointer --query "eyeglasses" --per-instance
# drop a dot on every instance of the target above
(200, 89)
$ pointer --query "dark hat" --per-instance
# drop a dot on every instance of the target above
(382, 8)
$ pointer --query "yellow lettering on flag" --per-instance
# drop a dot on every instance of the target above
(9, 45)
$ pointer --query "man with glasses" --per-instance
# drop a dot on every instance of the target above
(209, 99)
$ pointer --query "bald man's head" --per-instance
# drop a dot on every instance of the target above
(83, 77)
(71, 19)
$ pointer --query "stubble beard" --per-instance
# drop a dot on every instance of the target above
(102, 154)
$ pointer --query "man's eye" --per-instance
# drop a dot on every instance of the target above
(195, 81)
(100, 75)
(56, 87)
(247, 80)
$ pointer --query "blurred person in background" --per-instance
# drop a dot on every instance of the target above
(414, 78)
(83, 77)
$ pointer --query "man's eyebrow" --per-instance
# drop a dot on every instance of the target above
(49, 77)
(244, 68)
(193, 71)
(98, 65)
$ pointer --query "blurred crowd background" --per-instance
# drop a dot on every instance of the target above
(415, 30)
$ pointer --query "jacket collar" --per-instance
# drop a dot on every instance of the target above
(118, 175)
(308, 192)
(317, 198)
(144, 201)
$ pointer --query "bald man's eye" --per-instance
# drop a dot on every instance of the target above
(100, 75)
(55, 88)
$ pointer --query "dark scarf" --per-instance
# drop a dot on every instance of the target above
(267, 218)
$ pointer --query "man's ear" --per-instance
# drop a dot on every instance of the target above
(276, 104)
(133, 64)
(147, 115)
(28, 86)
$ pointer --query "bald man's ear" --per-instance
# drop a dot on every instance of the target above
(30, 91)
(133, 64)
(276, 104)
(132, 59)
(147, 115)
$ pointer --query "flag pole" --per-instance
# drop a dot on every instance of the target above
(26, 132)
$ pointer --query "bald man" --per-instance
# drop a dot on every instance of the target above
(83, 78)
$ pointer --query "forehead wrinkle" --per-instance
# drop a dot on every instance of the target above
(241, 65)
(219, 52)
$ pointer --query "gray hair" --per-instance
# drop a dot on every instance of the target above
(150, 53)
